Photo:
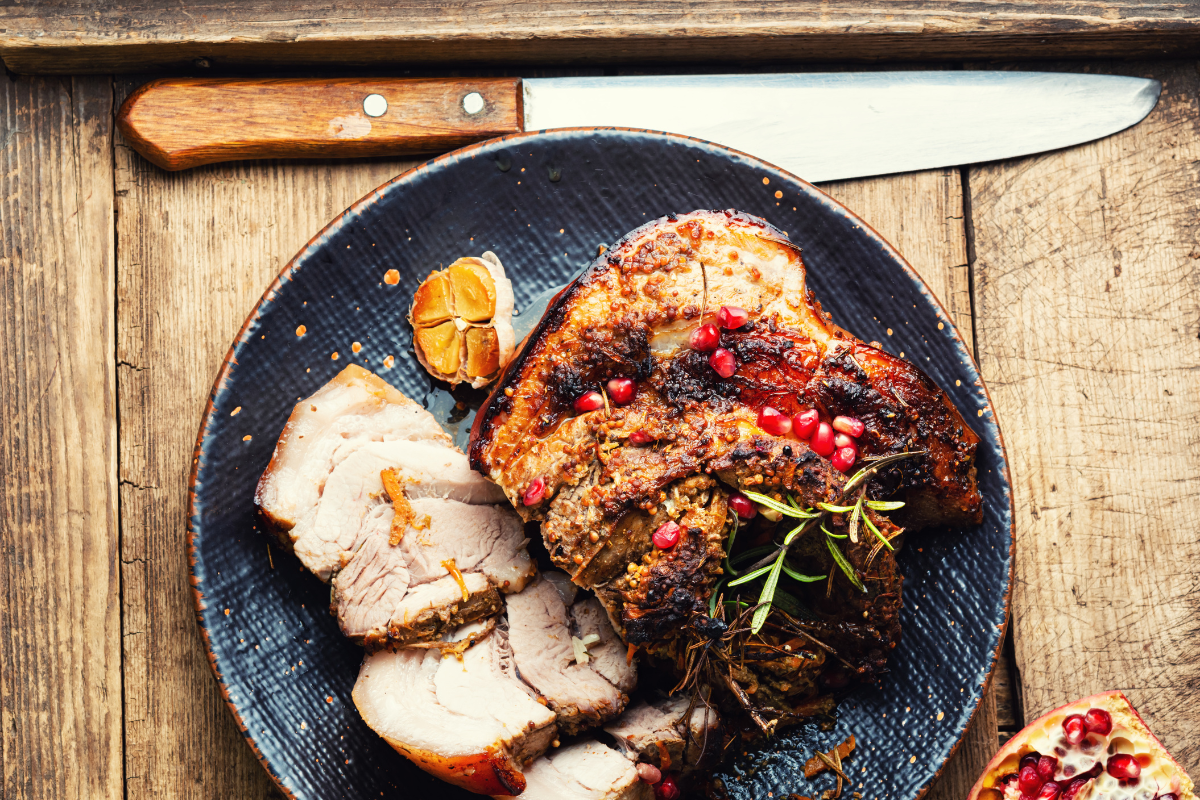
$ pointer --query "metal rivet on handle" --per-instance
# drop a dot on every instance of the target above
(375, 105)
(473, 103)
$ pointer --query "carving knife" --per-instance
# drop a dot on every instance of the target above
(818, 126)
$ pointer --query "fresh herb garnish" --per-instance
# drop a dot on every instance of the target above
(775, 564)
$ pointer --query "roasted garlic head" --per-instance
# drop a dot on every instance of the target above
(462, 321)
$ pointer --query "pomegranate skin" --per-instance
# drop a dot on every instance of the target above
(1159, 775)
(705, 338)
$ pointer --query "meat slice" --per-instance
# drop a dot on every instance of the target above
(470, 722)
(608, 655)
(354, 408)
(354, 491)
(395, 594)
(672, 733)
(631, 313)
(602, 478)
(585, 770)
(541, 629)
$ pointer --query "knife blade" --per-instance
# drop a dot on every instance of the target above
(819, 126)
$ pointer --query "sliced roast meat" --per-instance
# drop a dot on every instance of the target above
(354, 490)
(608, 655)
(470, 722)
(395, 594)
(585, 770)
(664, 733)
(541, 630)
(354, 408)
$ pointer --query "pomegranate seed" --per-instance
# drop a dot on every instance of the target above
(534, 492)
(621, 390)
(844, 458)
(640, 437)
(822, 440)
(805, 422)
(1074, 728)
(1030, 759)
(1028, 779)
(848, 425)
(1047, 766)
(1098, 721)
(589, 401)
(1007, 779)
(774, 422)
(1167, 796)
(705, 338)
(742, 506)
(667, 535)
(1123, 765)
(1074, 788)
(723, 361)
(732, 317)
(1049, 791)
(666, 789)
(649, 773)
(842, 440)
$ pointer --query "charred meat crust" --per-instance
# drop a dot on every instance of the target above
(601, 481)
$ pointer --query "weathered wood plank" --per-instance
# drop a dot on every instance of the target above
(1088, 302)
(137, 35)
(921, 214)
(195, 252)
(60, 624)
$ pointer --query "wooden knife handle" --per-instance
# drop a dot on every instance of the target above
(179, 123)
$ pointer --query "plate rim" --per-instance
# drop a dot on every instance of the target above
(377, 194)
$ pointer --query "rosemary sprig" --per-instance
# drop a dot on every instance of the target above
(792, 510)
(773, 567)
(768, 594)
(791, 573)
(844, 565)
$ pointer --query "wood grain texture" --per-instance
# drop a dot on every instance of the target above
(1088, 300)
(60, 623)
(921, 215)
(137, 35)
(179, 123)
(196, 250)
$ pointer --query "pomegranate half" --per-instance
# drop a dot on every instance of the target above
(1097, 748)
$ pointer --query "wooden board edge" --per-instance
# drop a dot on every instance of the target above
(758, 44)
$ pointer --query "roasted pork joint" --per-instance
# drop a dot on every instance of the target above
(688, 362)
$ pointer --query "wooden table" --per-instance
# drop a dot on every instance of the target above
(1076, 275)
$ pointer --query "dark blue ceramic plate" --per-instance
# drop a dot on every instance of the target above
(543, 203)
